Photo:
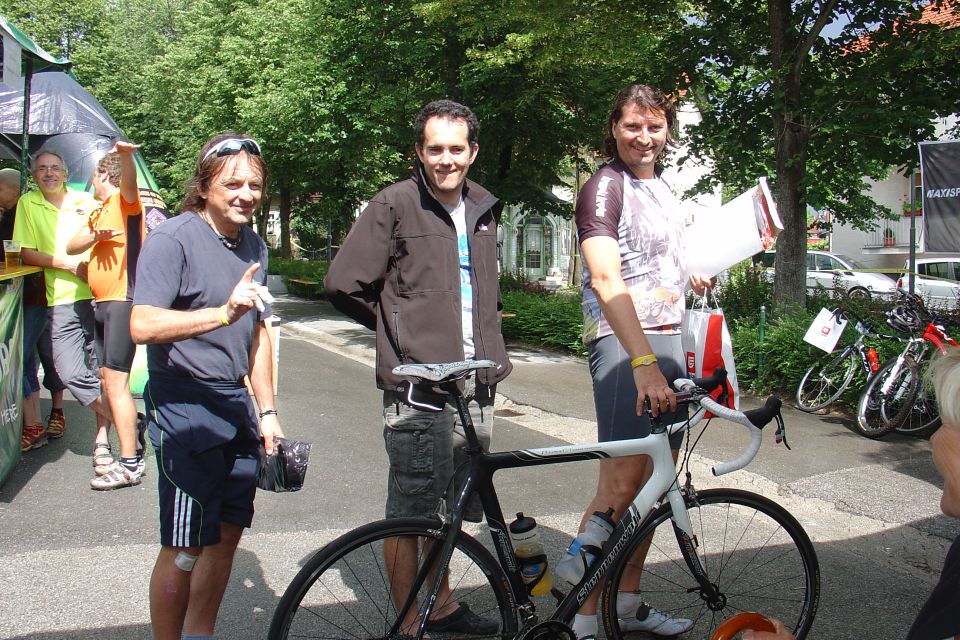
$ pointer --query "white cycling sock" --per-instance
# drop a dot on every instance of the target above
(627, 604)
(584, 626)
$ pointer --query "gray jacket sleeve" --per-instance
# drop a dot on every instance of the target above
(357, 273)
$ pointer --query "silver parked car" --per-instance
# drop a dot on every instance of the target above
(830, 269)
(937, 280)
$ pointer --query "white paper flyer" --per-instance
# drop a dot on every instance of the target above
(720, 238)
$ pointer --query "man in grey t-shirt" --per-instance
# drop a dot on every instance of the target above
(198, 306)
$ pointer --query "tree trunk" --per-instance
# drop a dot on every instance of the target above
(574, 272)
(285, 202)
(789, 287)
(790, 137)
(263, 214)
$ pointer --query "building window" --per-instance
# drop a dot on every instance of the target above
(536, 245)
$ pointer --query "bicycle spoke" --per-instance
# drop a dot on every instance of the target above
(352, 588)
(754, 560)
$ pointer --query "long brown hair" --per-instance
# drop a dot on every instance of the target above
(207, 169)
(645, 97)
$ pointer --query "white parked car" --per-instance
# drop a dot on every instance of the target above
(937, 280)
(830, 269)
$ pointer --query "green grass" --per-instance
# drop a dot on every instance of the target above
(310, 270)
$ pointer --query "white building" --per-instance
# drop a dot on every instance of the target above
(888, 246)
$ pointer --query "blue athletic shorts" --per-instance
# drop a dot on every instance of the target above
(208, 453)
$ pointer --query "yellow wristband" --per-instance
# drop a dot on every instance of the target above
(643, 361)
(224, 320)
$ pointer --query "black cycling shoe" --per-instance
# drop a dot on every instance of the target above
(464, 621)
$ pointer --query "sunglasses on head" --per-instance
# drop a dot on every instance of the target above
(232, 146)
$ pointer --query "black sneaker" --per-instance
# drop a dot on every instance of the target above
(464, 621)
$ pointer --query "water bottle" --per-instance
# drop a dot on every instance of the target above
(873, 359)
(583, 551)
(529, 551)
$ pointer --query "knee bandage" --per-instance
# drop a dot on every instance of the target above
(185, 561)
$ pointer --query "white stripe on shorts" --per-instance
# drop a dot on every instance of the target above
(183, 507)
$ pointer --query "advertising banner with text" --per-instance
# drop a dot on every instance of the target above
(11, 373)
(940, 175)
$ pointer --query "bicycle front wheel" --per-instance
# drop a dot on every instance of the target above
(354, 587)
(924, 418)
(754, 553)
(879, 413)
(823, 383)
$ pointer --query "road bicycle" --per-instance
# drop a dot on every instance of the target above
(712, 553)
(900, 396)
(831, 375)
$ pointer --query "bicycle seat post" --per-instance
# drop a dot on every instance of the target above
(473, 443)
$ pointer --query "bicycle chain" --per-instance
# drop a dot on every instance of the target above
(548, 630)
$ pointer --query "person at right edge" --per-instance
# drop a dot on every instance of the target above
(631, 233)
(419, 267)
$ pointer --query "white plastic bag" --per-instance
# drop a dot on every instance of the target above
(825, 331)
(707, 344)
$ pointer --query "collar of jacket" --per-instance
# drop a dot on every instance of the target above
(476, 199)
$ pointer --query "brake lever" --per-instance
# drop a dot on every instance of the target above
(780, 435)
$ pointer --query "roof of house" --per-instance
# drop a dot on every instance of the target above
(943, 13)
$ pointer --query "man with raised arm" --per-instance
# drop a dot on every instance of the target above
(114, 235)
(419, 267)
(198, 307)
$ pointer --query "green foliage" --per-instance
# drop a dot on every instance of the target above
(785, 355)
(551, 320)
(303, 269)
(518, 282)
(742, 293)
(819, 115)
(330, 88)
(306, 270)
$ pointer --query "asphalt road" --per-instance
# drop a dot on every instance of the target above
(76, 563)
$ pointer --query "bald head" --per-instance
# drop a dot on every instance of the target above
(9, 188)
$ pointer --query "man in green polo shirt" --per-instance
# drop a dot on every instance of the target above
(46, 221)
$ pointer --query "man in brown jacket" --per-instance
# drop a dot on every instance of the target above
(419, 267)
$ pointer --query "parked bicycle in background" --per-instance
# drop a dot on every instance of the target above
(827, 379)
(899, 396)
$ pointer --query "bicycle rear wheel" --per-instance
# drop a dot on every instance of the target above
(879, 413)
(349, 589)
(755, 554)
(924, 418)
(823, 383)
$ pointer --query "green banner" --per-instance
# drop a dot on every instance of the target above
(11, 373)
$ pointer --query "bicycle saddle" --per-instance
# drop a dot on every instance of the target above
(444, 372)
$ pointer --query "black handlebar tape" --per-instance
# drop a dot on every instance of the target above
(714, 380)
(762, 416)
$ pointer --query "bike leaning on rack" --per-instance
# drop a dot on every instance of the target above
(899, 397)
(831, 375)
(713, 553)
